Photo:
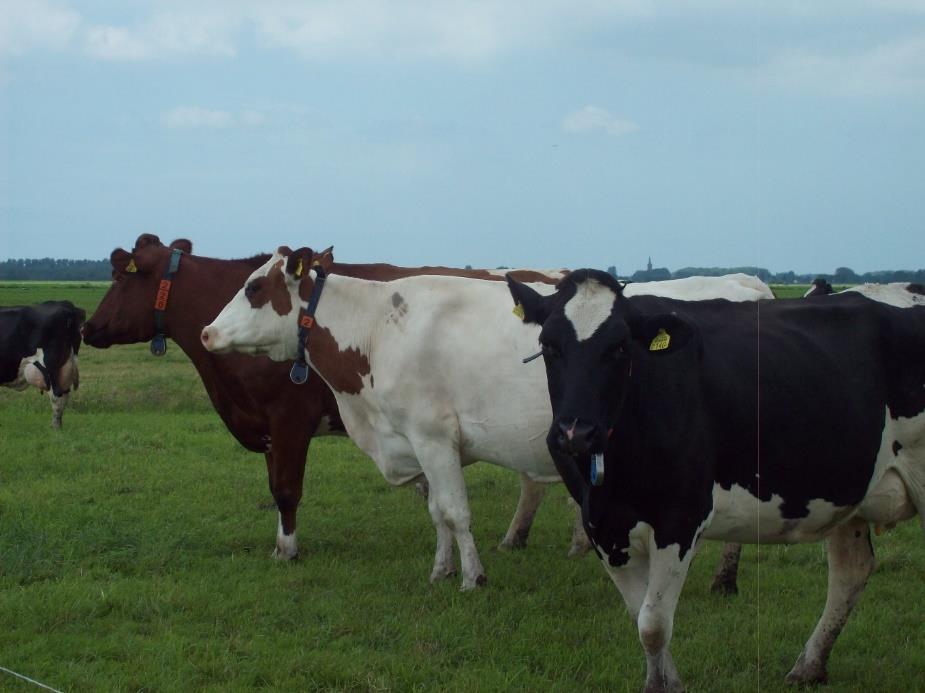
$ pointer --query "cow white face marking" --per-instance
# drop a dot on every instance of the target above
(244, 327)
(589, 308)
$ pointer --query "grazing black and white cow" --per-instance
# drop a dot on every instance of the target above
(674, 422)
(38, 347)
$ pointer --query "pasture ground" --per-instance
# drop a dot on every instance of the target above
(135, 544)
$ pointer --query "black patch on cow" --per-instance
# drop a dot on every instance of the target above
(897, 446)
(397, 300)
(916, 289)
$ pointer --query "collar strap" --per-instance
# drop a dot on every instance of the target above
(159, 343)
(299, 372)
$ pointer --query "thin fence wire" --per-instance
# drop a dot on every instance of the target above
(32, 681)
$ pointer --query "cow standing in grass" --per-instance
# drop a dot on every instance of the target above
(778, 422)
(424, 381)
(264, 411)
(38, 348)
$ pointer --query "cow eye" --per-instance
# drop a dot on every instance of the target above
(619, 351)
(251, 289)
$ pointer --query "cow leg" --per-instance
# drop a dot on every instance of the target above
(851, 561)
(444, 566)
(651, 585)
(727, 571)
(531, 494)
(667, 573)
(57, 408)
(580, 542)
(285, 458)
(449, 508)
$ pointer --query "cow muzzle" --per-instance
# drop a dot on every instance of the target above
(214, 340)
(575, 437)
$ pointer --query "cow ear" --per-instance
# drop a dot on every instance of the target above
(325, 259)
(120, 260)
(664, 334)
(146, 239)
(298, 262)
(529, 305)
(183, 244)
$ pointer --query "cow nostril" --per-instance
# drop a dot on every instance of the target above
(205, 336)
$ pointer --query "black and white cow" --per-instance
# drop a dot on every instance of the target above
(38, 347)
(674, 422)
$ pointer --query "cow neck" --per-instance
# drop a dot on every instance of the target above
(299, 372)
(346, 314)
(159, 341)
(199, 293)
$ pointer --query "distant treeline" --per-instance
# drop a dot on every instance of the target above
(842, 275)
(50, 269)
(100, 270)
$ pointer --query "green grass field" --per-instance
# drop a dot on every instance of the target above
(135, 555)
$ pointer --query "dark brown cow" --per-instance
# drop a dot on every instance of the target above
(254, 396)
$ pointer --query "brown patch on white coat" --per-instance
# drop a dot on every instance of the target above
(270, 289)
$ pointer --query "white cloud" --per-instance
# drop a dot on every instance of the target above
(192, 117)
(115, 43)
(30, 24)
(594, 119)
(892, 68)
(164, 35)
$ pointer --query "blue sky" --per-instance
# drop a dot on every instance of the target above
(542, 133)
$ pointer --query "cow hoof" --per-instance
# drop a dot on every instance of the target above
(807, 673)
(284, 555)
(512, 544)
(723, 587)
(480, 581)
(441, 574)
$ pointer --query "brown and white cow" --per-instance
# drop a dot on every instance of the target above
(421, 384)
(261, 408)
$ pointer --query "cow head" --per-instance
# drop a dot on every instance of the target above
(598, 350)
(126, 313)
(819, 287)
(262, 318)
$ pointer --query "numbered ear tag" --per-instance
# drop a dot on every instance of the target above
(299, 372)
(131, 266)
(298, 269)
(597, 469)
(660, 341)
(519, 311)
(159, 345)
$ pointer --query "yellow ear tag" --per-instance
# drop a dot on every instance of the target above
(660, 341)
(130, 267)
(518, 311)
(298, 269)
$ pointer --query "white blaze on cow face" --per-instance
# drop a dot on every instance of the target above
(248, 329)
(589, 308)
